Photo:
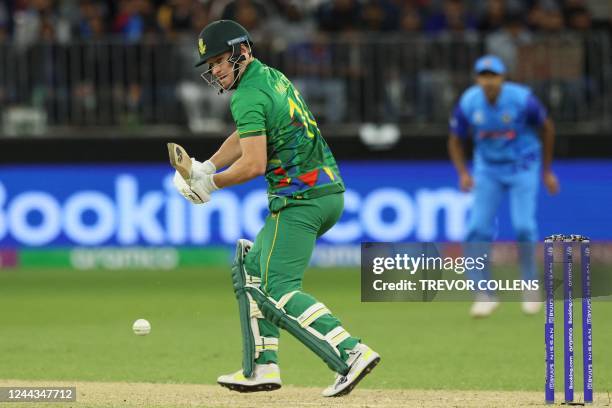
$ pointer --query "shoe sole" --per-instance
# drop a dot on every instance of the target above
(250, 388)
(367, 370)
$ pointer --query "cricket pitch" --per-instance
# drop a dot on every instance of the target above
(140, 395)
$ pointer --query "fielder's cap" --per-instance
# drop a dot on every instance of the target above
(490, 63)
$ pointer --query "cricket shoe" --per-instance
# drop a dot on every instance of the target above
(266, 377)
(532, 302)
(361, 362)
(483, 306)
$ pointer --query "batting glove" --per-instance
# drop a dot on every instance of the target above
(185, 190)
(203, 186)
(199, 169)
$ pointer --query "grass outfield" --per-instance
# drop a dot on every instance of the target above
(76, 325)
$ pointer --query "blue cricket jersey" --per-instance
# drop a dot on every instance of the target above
(505, 132)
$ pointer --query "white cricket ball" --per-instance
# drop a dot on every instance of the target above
(141, 327)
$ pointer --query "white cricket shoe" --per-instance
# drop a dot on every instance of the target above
(483, 306)
(361, 361)
(532, 302)
(531, 308)
(266, 377)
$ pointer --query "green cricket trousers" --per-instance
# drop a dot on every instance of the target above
(281, 253)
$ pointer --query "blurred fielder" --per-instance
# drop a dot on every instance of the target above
(503, 119)
(276, 136)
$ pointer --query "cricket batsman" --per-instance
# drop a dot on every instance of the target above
(503, 119)
(276, 136)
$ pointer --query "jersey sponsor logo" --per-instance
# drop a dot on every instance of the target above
(508, 134)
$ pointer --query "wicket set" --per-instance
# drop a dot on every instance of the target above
(567, 242)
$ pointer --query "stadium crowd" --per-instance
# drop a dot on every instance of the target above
(335, 51)
(27, 21)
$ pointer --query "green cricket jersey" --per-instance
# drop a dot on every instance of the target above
(300, 163)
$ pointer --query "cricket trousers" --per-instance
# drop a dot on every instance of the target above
(281, 253)
(491, 183)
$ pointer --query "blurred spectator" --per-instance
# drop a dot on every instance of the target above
(40, 20)
(453, 18)
(506, 42)
(570, 4)
(379, 15)
(578, 18)
(4, 23)
(554, 64)
(339, 16)
(292, 21)
(232, 9)
(175, 17)
(147, 12)
(410, 19)
(47, 29)
(200, 17)
(313, 76)
(204, 107)
(552, 21)
(546, 16)
(492, 13)
(494, 16)
(580, 89)
(135, 19)
(91, 24)
(251, 14)
(438, 77)
(248, 15)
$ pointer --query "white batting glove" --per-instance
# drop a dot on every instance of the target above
(199, 169)
(185, 190)
(203, 186)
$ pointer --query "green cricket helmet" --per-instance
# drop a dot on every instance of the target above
(221, 36)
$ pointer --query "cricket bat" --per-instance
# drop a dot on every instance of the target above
(180, 160)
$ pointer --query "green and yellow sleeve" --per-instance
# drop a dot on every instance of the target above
(248, 106)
